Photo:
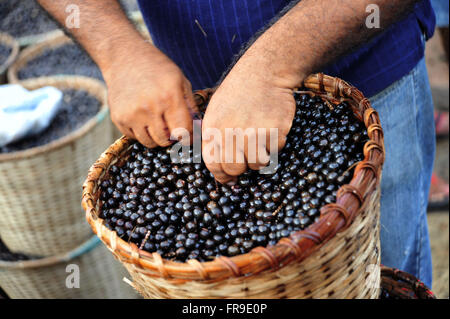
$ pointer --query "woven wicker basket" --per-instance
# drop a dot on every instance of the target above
(52, 41)
(40, 187)
(100, 275)
(327, 260)
(398, 284)
(7, 40)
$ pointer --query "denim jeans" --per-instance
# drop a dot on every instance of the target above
(406, 114)
(441, 9)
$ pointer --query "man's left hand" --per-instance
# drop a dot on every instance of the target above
(249, 99)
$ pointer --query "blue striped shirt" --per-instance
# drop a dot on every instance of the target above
(202, 37)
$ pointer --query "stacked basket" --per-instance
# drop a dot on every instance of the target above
(40, 210)
(39, 187)
(329, 259)
(88, 271)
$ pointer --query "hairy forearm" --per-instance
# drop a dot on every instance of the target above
(104, 30)
(315, 33)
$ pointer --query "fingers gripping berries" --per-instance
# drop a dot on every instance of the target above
(179, 211)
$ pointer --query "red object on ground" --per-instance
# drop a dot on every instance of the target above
(439, 191)
(441, 121)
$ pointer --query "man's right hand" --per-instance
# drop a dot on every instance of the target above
(149, 97)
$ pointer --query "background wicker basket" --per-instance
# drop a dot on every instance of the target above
(100, 275)
(40, 187)
(398, 284)
(8, 41)
(328, 260)
(52, 41)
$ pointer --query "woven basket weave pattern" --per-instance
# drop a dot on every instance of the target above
(321, 277)
(40, 187)
(303, 264)
(100, 277)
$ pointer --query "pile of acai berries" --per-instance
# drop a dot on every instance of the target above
(68, 59)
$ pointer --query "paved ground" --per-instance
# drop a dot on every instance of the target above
(439, 222)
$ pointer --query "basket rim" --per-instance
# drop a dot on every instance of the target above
(334, 217)
(82, 249)
(32, 39)
(91, 85)
(9, 41)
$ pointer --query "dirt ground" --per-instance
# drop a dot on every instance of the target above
(438, 222)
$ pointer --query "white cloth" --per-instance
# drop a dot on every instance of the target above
(24, 113)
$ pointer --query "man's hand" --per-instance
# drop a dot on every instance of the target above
(257, 93)
(148, 94)
(249, 100)
(149, 97)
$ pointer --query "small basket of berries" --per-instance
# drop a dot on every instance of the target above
(41, 175)
(309, 230)
(57, 55)
(397, 284)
